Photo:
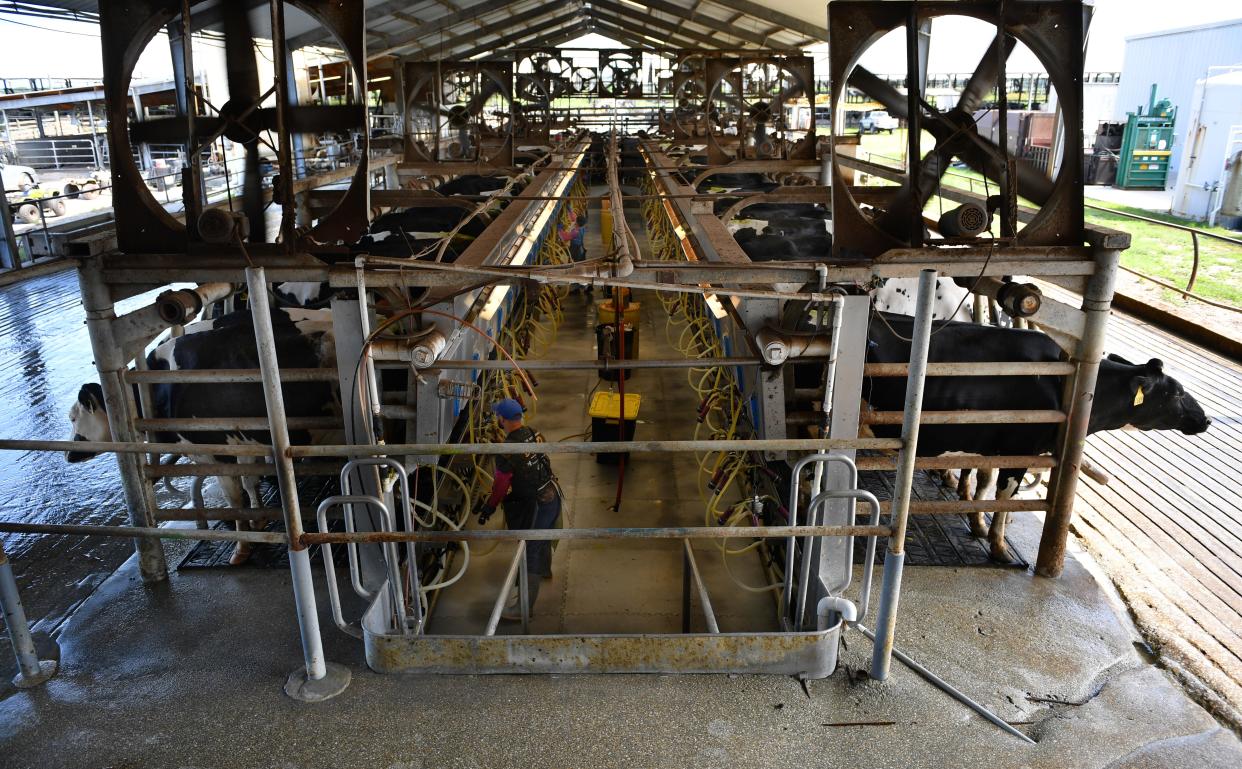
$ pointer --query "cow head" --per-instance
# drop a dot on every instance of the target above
(88, 420)
(1156, 401)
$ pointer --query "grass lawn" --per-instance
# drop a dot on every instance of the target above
(1158, 251)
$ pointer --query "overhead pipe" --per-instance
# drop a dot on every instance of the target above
(171, 308)
(777, 346)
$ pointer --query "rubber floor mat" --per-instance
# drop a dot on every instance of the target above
(216, 554)
(934, 540)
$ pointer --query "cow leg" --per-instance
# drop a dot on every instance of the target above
(1007, 483)
(241, 553)
(969, 486)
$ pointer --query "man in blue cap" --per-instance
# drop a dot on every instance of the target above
(526, 486)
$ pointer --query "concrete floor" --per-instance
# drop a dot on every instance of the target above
(189, 673)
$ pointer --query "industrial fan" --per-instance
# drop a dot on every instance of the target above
(261, 118)
(541, 76)
(1052, 31)
(459, 111)
(620, 74)
(689, 91)
(583, 81)
(747, 105)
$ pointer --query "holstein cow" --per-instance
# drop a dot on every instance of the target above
(228, 344)
(898, 296)
(409, 233)
(1126, 394)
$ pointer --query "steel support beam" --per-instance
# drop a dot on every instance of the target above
(526, 35)
(499, 27)
(607, 25)
(624, 16)
(437, 26)
(615, 14)
(766, 13)
(622, 35)
(707, 22)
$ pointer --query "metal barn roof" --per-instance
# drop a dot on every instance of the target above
(458, 29)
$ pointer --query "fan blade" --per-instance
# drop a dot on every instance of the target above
(490, 88)
(322, 118)
(252, 195)
(172, 130)
(892, 99)
(984, 76)
(1033, 184)
(167, 130)
(242, 69)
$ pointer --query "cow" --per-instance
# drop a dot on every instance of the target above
(228, 344)
(771, 246)
(898, 296)
(1126, 395)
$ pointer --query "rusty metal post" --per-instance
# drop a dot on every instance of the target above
(318, 680)
(31, 671)
(1079, 394)
(119, 403)
(894, 559)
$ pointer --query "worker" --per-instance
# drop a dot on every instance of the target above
(524, 483)
(575, 237)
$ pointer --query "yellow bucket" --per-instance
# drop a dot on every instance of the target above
(608, 312)
(605, 227)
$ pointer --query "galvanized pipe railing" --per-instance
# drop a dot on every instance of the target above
(317, 680)
(195, 376)
(894, 560)
(705, 600)
(111, 362)
(31, 671)
(600, 447)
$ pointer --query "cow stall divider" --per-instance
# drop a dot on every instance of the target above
(320, 679)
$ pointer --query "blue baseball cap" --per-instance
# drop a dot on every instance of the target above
(508, 409)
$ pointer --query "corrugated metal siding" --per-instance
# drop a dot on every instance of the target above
(1175, 61)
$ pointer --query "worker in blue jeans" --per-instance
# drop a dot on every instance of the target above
(524, 483)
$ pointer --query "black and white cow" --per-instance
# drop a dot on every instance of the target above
(898, 296)
(229, 343)
(410, 233)
(1126, 394)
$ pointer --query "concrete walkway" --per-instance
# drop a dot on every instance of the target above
(1148, 200)
(189, 673)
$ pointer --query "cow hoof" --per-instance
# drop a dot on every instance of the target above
(978, 530)
(1001, 555)
(241, 554)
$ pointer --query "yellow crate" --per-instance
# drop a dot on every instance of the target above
(608, 406)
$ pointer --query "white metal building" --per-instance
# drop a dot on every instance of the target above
(1213, 138)
(1175, 60)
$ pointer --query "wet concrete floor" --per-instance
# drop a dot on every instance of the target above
(45, 357)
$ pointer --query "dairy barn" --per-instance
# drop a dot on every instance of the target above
(837, 446)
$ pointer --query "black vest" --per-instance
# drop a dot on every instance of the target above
(531, 472)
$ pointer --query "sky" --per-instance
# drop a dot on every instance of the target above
(32, 47)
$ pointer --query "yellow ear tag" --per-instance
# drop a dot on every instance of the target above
(1138, 397)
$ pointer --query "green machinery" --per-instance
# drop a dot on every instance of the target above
(1146, 146)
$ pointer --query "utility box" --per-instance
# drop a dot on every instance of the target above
(606, 422)
(1146, 145)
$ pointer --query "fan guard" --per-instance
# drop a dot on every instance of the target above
(459, 111)
(142, 224)
(1052, 31)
